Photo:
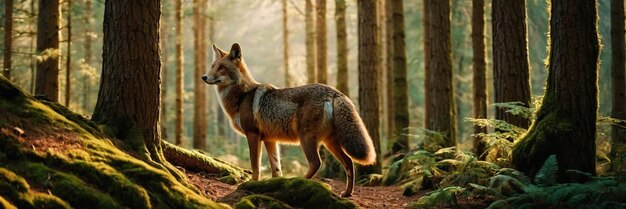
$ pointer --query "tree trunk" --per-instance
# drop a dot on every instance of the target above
(86, 91)
(618, 150)
(426, 23)
(321, 42)
(566, 121)
(440, 108)
(309, 42)
(47, 81)
(480, 73)
(510, 58)
(342, 47)
(178, 133)
(199, 90)
(368, 72)
(286, 44)
(400, 90)
(68, 61)
(164, 61)
(33, 59)
(388, 71)
(8, 38)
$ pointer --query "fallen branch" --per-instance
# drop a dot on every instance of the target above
(199, 162)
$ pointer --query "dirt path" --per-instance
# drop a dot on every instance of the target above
(365, 197)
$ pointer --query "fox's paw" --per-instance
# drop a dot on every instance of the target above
(346, 194)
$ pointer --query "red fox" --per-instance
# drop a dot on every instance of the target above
(308, 115)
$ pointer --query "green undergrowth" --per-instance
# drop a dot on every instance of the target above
(293, 192)
(53, 158)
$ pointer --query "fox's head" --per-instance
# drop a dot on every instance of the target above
(227, 68)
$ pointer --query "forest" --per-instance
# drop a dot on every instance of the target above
(357, 103)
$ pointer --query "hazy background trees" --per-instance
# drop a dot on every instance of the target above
(258, 27)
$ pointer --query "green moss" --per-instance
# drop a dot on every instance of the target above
(96, 174)
(17, 191)
(69, 187)
(260, 201)
(297, 192)
(4, 204)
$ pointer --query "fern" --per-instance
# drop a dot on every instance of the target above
(516, 108)
(441, 197)
(546, 176)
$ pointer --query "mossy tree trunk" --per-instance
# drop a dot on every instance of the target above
(511, 71)
(400, 89)
(68, 57)
(178, 127)
(479, 63)
(48, 20)
(199, 90)
(618, 83)
(368, 72)
(309, 40)
(426, 23)
(129, 97)
(8, 38)
(566, 121)
(440, 108)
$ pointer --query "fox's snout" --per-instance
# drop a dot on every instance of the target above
(204, 77)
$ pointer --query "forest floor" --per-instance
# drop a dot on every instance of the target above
(364, 197)
(389, 197)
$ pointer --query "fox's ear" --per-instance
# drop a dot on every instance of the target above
(235, 52)
(217, 53)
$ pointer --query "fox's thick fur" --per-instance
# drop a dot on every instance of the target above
(310, 115)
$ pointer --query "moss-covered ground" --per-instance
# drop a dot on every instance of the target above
(53, 158)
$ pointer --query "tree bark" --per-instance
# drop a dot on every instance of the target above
(440, 108)
(388, 69)
(8, 38)
(128, 101)
(618, 83)
(286, 44)
(164, 61)
(310, 42)
(368, 72)
(510, 58)
(48, 20)
(178, 133)
(400, 90)
(566, 121)
(342, 47)
(480, 73)
(322, 49)
(86, 92)
(199, 90)
(68, 61)
(426, 23)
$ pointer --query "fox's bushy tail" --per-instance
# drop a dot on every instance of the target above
(349, 130)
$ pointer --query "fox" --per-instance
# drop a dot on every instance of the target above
(311, 115)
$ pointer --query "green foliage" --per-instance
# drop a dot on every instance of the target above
(440, 197)
(517, 108)
(547, 174)
(446, 167)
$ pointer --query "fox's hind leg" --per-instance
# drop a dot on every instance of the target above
(335, 149)
(310, 146)
(274, 156)
(255, 154)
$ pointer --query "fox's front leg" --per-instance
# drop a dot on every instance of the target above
(254, 143)
(274, 156)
